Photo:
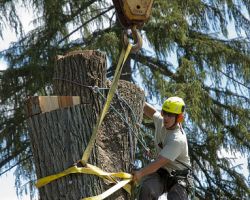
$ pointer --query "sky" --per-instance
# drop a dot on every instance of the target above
(7, 187)
(8, 37)
(7, 181)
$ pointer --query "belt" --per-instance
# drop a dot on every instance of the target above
(184, 172)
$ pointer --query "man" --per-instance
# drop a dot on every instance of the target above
(168, 173)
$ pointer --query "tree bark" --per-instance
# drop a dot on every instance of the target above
(59, 137)
(127, 71)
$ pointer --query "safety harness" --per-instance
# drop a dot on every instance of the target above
(181, 177)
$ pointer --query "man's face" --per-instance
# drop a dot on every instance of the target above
(169, 119)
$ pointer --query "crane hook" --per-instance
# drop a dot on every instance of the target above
(136, 37)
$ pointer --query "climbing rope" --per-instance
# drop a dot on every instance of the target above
(97, 90)
(143, 143)
(122, 59)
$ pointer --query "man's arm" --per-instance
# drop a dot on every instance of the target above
(149, 169)
(149, 110)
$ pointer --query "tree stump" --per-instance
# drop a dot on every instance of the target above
(60, 137)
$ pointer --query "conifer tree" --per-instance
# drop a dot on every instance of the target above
(187, 52)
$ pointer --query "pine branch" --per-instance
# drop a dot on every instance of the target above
(226, 92)
(16, 164)
(154, 64)
(84, 24)
(14, 154)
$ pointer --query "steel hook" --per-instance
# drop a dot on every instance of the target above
(136, 37)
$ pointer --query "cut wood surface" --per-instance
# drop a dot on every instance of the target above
(40, 104)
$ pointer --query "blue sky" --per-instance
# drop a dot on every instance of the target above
(7, 181)
(7, 187)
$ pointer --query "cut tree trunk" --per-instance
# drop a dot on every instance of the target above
(60, 137)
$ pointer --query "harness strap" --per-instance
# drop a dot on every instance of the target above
(185, 165)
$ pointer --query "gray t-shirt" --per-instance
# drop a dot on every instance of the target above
(171, 144)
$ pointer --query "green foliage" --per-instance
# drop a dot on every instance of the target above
(211, 73)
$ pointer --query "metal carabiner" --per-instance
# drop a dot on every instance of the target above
(136, 37)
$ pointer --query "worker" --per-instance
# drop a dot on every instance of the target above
(169, 172)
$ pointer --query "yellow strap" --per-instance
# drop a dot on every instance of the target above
(90, 169)
(122, 59)
(109, 191)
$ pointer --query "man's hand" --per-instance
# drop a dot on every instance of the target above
(149, 110)
(136, 176)
(149, 169)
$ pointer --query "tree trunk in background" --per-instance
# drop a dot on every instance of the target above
(127, 70)
(59, 137)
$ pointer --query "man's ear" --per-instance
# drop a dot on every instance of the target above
(180, 118)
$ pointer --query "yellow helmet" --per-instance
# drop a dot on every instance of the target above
(174, 105)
